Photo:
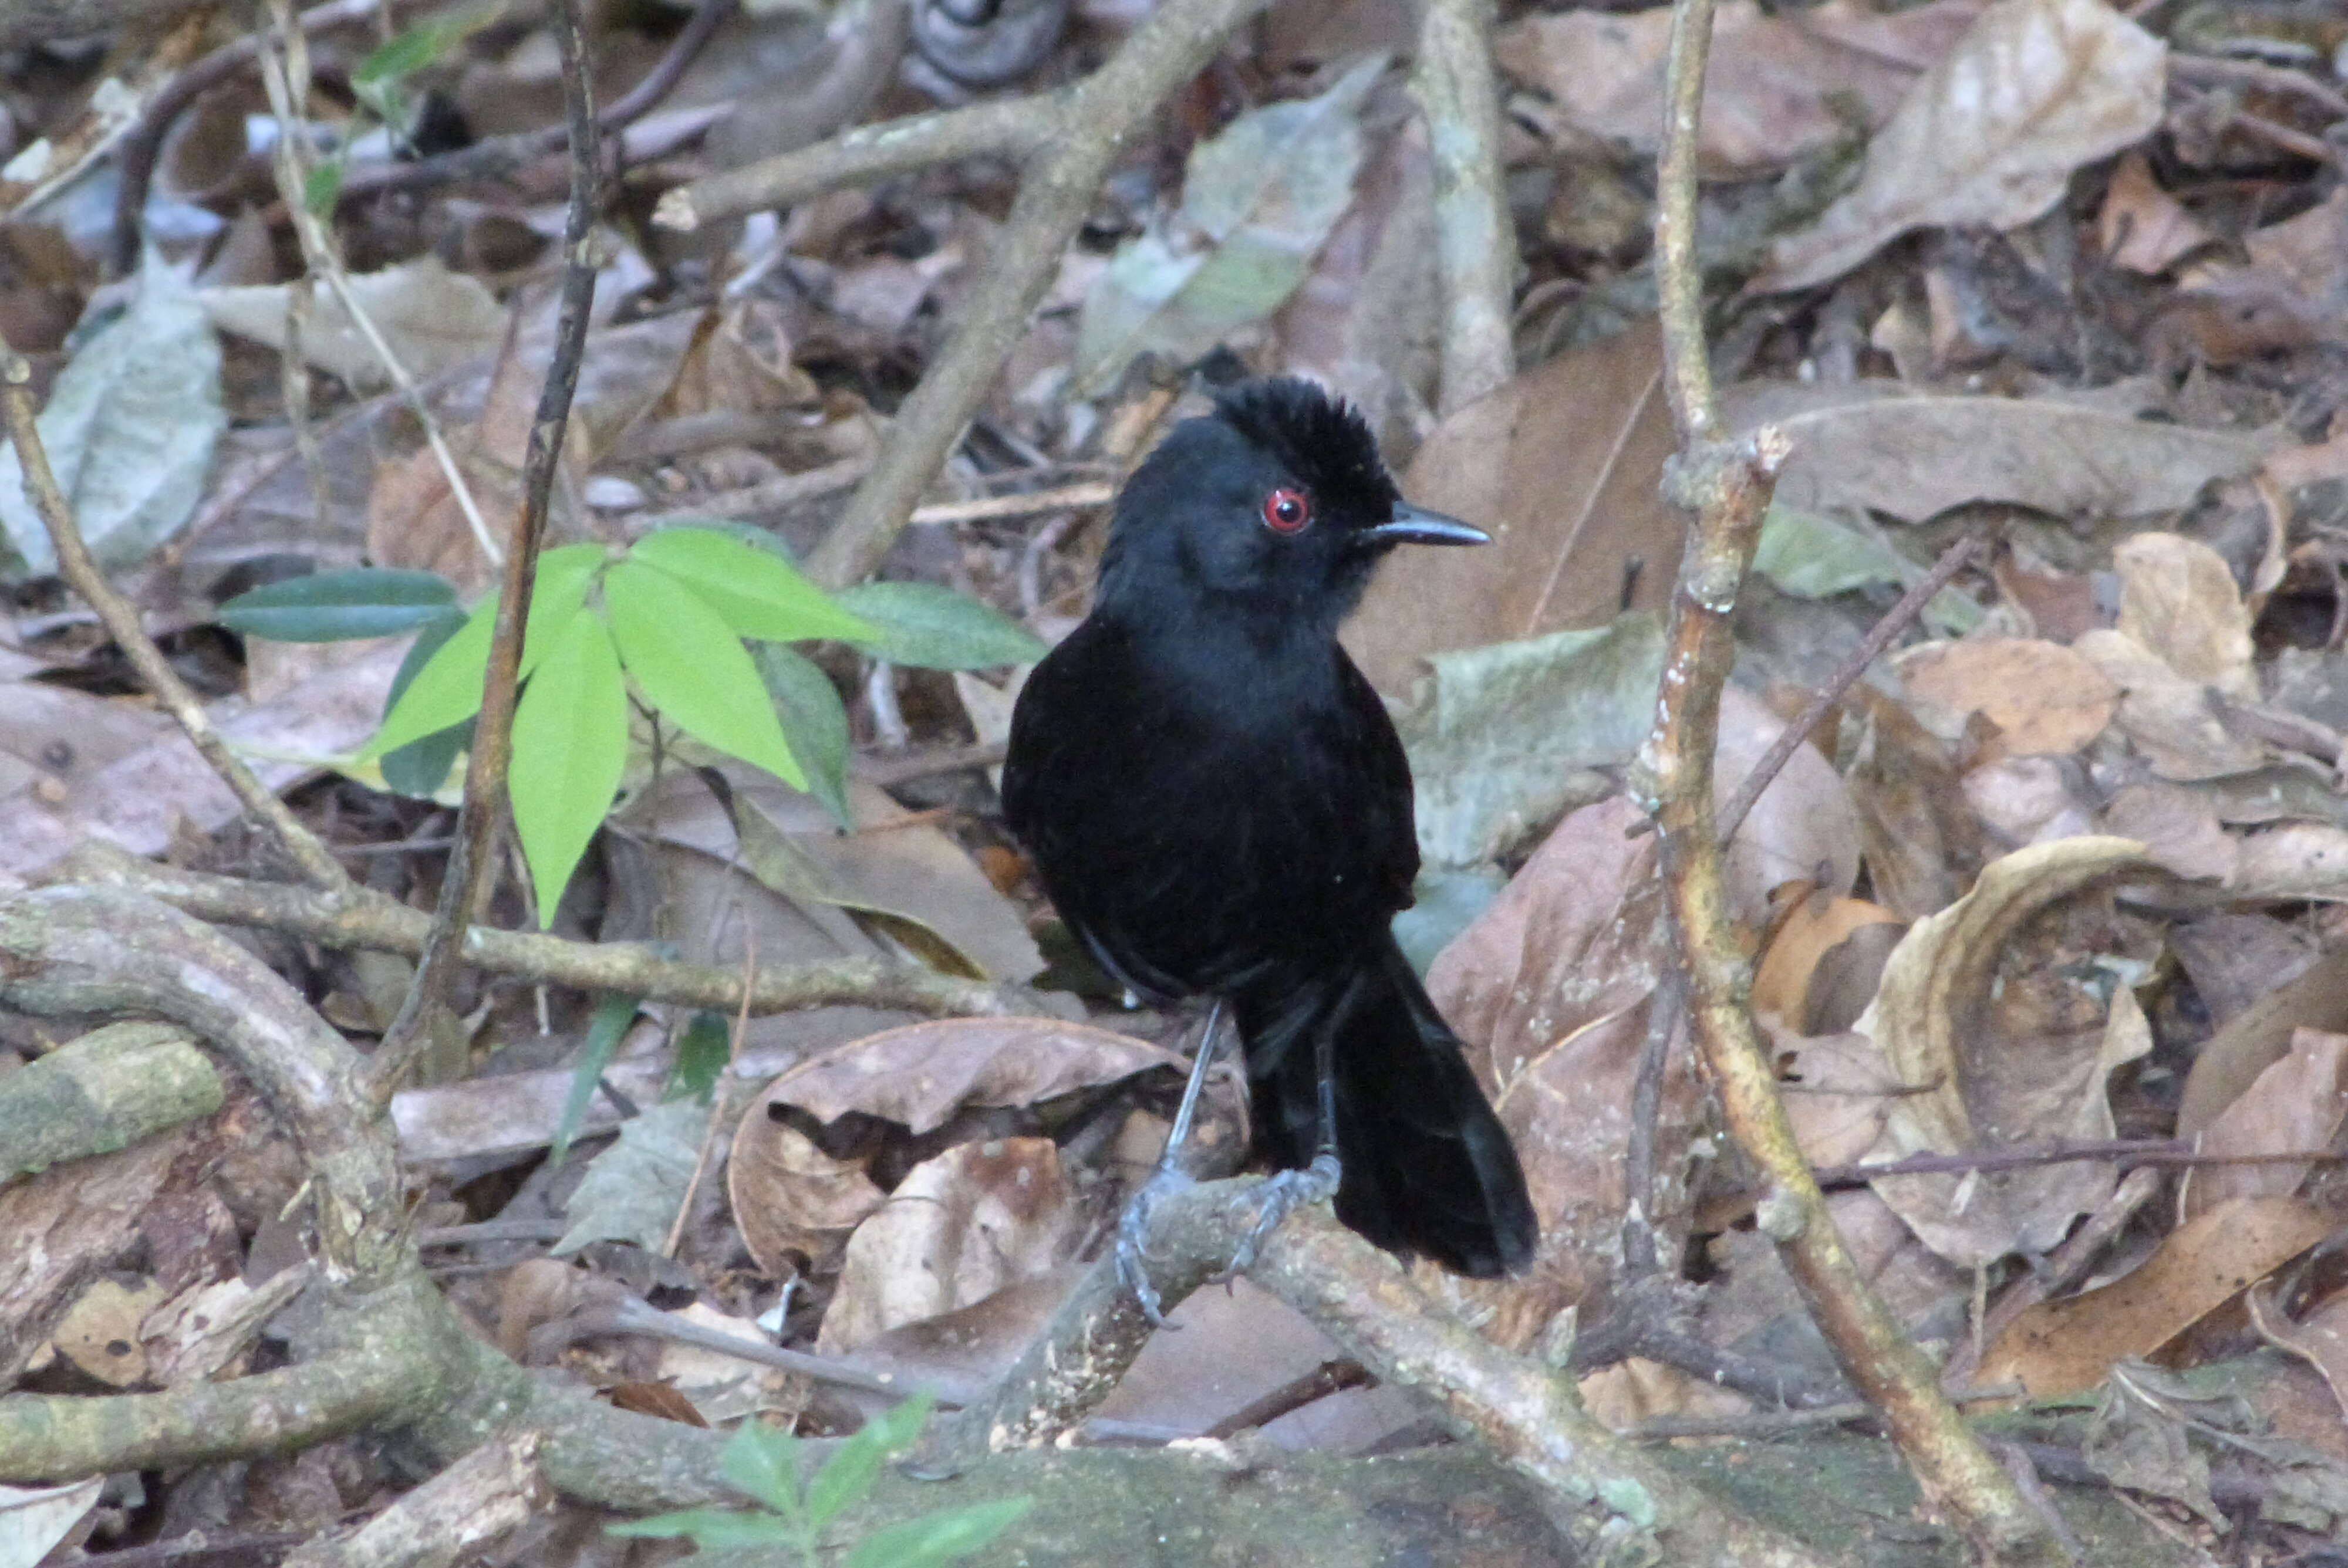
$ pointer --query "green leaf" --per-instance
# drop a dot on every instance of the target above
(605, 1030)
(632, 1190)
(420, 767)
(711, 1527)
(758, 593)
(323, 187)
(702, 1052)
(763, 1462)
(814, 722)
(938, 1537)
(447, 690)
(340, 606)
(933, 628)
(853, 1467)
(570, 744)
(1815, 556)
(425, 44)
(691, 666)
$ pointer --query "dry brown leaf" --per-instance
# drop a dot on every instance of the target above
(2297, 1104)
(1990, 134)
(790, 1196)
(2169, 718)
(1551, 988)
(1838, 1089)
(920, 1075)
(2042, 697)
(2061, 1346)
(2231, 1060)
(2293, 860)
(433, 319)
(1886, 448)
(1767, 99)
(1917, 830)
(712, 1385)
(1636, 1390)
(1803, 828)
(1560, 467)
(1814, 924)
(2309, 252)
(958, 1227)
(2289, 468)
(740, 360)
(2142, 227)
(2177, 828)
(1957, 996)
(1236, 1346)
(2178, 598)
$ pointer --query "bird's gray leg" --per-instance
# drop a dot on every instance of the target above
(1283, 1191)
(1133, 1225)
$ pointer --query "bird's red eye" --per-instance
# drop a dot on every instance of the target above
(1286, 511)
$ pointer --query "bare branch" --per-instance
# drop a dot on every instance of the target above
(1475, 242)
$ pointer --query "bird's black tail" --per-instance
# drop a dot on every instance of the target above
(1427, 1167)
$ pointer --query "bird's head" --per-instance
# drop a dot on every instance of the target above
(1275, 504)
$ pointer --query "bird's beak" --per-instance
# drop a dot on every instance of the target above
(1413, 526)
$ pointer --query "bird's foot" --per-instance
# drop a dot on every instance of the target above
(1133, 1229)
(1277, 1196)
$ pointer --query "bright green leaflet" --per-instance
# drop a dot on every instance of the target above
(856, 1464)
(763, 1462)
(570, 740)
(447, 690)
(759, 594)
(691, 666)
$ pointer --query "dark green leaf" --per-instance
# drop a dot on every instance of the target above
(701, 1055)
(570, 744)
(340, 606)
(425, 44)
(711, 1527)
(763, 1462)
(693, 667)
(853, 1467)
(938, 1537)
(759, 593)
(420, 767)
(814, 722)
(933, 628)
(605, 1030)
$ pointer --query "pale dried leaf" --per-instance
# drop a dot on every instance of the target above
(790, 1196)
(2169, 718)
(2142, 227)
(2042, 697)
(2179, 598)
(2296, 1104)
(2250, 1041)
(432, 319)
(1990, 134)
(957, 1229)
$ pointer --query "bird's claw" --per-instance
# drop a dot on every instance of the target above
(1279, 1196)
(1133, 1230)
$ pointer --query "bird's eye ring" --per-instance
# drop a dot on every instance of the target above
(1286, 511)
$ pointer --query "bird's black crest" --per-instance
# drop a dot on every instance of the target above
(1321, 439)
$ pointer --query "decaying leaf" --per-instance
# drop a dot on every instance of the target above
(2179, 598)
(2169, 718)
(2141, 226)
(957, 1229)
(1256, 202)
(129, 428)
(2061, 1346)
(2042, 697)
(2254, 1040)
(790, 1196)
(1604, 72)
(1935, 1017)
(1812, 923)
(2296, 1104)
(1562, 467)
(430, 317)
(1886, 448)
(632, 1190)
(920, 1075)
(1991, 134)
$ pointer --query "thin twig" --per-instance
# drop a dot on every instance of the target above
(2124, 1152)
(2258, 75)
(1475, 242)
(322, 260)
(1103, 113)
(136, 158)
(492, 744)
(985, 508)
(121, 621)
(1897, 619)
(1728, 486)
(500, 156)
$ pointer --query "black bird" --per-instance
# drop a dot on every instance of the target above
(1219, 806)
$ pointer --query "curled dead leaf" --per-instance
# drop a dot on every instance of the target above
(2063, 1347)
(2297, 1104)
